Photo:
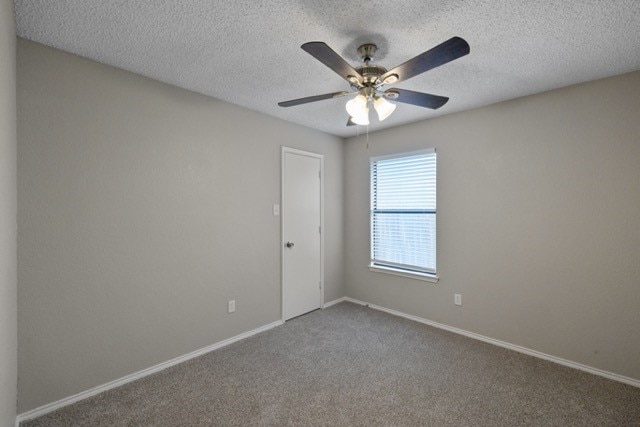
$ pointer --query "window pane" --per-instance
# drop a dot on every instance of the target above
(403, 212)
(405, 183)
(405, 239)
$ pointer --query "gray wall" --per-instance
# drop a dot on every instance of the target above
(538, 222)
(8, 338)
(142, 209)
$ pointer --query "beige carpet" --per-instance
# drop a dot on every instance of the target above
(351, 365)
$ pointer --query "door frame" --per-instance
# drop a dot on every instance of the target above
(288, 150)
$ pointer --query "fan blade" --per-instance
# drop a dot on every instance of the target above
(312, 99)
(350, 122)
(453, 48)
(323, 53)
(418, 98)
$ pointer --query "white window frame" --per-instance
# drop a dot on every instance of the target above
(424, 276)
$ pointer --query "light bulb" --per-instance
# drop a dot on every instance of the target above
(358, 110)
(362, 119)
(383, 107)
(357, 106)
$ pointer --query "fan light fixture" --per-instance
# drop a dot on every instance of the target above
(368, 81)
(358, 109)
(383, 107)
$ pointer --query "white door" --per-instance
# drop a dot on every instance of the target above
(301, 232)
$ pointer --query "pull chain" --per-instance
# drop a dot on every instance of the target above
(367, 137)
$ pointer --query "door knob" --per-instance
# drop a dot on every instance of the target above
(289, 244)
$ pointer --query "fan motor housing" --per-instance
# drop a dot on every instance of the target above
(371, 73)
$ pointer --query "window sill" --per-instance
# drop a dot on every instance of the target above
(417, 276)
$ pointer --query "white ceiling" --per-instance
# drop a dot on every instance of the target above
(247, 52)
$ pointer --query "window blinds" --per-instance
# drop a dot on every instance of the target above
(403, 212)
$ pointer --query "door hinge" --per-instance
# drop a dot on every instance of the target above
(319, 172)
(320, 229)
(320, 285)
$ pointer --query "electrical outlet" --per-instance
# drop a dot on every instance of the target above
(276, 210)
(231, 306)
(457, 299)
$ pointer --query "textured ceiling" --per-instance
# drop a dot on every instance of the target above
(247, 52)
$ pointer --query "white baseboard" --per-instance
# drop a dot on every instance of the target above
(50, 407)
(519, 349)
(334, 302)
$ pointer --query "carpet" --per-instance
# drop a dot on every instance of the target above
(352, 365)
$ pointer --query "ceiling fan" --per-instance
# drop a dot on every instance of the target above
(368, 81)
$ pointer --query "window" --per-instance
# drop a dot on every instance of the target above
(403, 214)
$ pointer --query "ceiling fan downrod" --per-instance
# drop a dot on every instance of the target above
(370, 73)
